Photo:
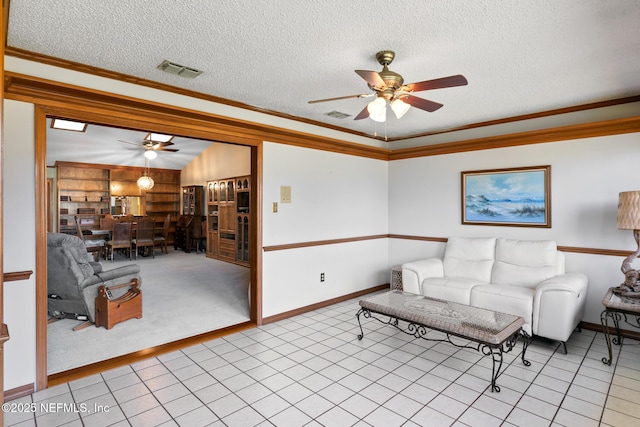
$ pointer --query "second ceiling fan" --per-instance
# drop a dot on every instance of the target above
(389, 87)
(151, 147)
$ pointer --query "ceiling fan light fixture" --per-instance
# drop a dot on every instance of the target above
(378, 109)
(399, 107)
(150, 154)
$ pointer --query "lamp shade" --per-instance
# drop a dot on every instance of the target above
(399, 107)
(150, 154)
(378, 109)
(629, 210)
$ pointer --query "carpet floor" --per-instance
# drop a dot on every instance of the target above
(183, 294)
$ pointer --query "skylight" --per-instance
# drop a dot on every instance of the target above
(68, 125)
(158, 137)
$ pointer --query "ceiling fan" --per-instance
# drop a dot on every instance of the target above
(389, 87)
(151, 147)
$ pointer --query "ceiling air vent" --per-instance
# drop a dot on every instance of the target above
(180, 70)
(337, 115)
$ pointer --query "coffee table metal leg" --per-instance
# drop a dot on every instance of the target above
(362, 310)
(497, 357)
(526, 340)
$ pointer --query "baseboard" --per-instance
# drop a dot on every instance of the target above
(308, 308)
(18, 392)
(625, 333)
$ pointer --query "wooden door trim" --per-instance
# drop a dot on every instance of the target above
(40, 122)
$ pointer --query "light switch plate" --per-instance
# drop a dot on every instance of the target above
(285, 194)
(275, 207)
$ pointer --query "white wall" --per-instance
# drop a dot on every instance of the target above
(217, 161)
(333, 196)
(586, 177)
(18, 182)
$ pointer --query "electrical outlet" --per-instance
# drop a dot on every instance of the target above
(322, 277)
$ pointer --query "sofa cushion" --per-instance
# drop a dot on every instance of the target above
(454, 289)
(508, 299)
(470, 258)
(524, 262)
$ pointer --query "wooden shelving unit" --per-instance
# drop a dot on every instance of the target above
(84, 192)
(91, 186)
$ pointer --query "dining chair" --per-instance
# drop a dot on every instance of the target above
(144, 236)
(94, 246)
(106, 223)
(120, 237)
(162, 236)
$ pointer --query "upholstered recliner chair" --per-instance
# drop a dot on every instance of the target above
(73, 279)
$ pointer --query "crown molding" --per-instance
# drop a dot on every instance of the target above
(563, 133)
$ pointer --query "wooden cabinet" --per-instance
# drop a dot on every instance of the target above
(227, 215)
(192, 200)
(212, 218)
(83, 191)
(243, 197)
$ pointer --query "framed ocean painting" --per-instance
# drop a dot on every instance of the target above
(513, 197)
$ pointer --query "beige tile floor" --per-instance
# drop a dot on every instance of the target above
(311, 370)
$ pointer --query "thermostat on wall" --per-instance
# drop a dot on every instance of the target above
(285, 194)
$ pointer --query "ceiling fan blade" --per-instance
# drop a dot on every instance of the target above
(173, 150)
(127, 142)
(155, 144)
(372, 77)
(364, 95)
(423, 104)
(362, 114)
(451, 81)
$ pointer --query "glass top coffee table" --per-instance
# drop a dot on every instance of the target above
(493, 333)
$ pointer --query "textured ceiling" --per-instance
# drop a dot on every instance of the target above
(519, 57)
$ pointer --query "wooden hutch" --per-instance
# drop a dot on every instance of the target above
(228, 204)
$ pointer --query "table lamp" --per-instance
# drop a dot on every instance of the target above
(629, 219)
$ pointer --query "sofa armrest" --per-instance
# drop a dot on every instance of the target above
(558, 305)
(97, 267)
(413, 273)
(110, 275)
(570, 282)
(116, 273)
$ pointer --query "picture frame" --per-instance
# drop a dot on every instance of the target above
(519, 197)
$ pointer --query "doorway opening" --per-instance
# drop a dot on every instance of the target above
(199, 261)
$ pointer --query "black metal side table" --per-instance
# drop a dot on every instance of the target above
(617, 309)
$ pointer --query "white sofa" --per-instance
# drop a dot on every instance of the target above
(520, 277)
